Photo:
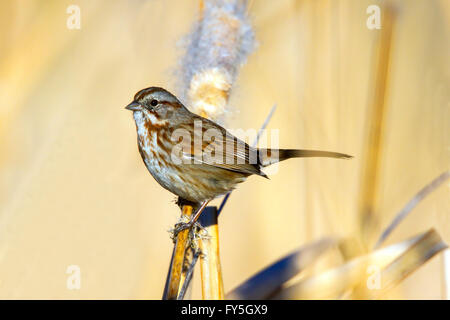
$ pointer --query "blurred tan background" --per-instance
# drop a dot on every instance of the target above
(74, 191)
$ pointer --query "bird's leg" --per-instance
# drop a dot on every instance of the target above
(183, 225)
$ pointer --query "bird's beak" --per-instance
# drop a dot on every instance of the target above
(134, 106)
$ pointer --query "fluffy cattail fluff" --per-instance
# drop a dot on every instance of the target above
(217, 46)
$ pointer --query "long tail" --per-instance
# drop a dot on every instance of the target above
(271, 156)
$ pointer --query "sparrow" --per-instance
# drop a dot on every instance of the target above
(194, 157)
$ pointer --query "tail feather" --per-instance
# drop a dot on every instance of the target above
(271, 156)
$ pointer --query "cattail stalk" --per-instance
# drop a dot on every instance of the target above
(177, 263)
(217, 46)
(211, 272)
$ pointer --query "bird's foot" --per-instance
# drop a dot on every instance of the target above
(195, 228)
(181, 226)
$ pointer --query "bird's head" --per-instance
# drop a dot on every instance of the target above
(156, 104)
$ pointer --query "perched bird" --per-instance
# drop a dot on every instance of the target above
(193, 157)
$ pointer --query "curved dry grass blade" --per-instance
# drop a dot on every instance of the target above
(264, 125)
(188, 276)
(391, 265)
(187, 265)
(167, 284)
(433, 185)
(266, 282)
(414, 257)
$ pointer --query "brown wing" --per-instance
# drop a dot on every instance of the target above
(211, 144)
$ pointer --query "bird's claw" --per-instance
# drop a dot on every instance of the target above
(180, 226)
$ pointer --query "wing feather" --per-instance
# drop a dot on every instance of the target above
(215, 146)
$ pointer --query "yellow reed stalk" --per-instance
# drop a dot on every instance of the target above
(176, 268)
(375, 124)
(211, 271)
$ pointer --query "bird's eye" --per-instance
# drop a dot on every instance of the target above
(154, 103)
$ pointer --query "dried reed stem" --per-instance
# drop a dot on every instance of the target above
(375, 123)
(388, 265)
(211, 271)
(268, 281)
(177, 263)
(410, 260)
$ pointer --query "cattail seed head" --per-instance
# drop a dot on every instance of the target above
(216, 48)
